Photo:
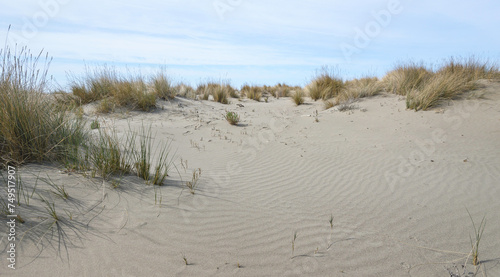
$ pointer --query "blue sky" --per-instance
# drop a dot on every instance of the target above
(256, 42)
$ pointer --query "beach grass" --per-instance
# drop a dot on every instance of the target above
(32, 128)
(252, 92)
(219, 91)
(298, 97)
(424, 89)
(325, 85)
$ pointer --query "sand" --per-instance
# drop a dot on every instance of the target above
(397, 183)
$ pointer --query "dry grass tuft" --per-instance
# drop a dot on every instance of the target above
(163, 86)
(104, 83)
(364, 87)
(452, 79)
(298, 97)
(186, 91)
(220, 92)
(406, 77)
(32, 127)
(325, 86)
(252, 92)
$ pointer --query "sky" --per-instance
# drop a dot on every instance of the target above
(243, 41)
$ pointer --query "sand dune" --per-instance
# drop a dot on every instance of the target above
(396, 182)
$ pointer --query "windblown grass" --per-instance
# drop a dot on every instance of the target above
(32, 128)
(325, 85)
(106, 84)
(406, 78)
(364, 87)
(219, 91)
(186, 91)
(298, 97)
(455, 77)
(163, 87)
(478, 234)
(282, 90)
(252, 92)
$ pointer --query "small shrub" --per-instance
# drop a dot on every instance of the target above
(232, 117)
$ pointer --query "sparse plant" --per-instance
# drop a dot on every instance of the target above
(94, 124)
(58, 190)
(478, 234)
(293, 241)
(232, 117)
(184, 258)
(331, 221)
(50, 208)
(330, 103)
(194, 181)
(347, 105)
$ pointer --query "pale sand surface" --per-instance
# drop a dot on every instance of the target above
(397, 183)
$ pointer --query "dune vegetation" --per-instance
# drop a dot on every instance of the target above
(36, 126)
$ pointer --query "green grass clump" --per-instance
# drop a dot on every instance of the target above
(232, 117)
(298, 97)
(325, 86)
